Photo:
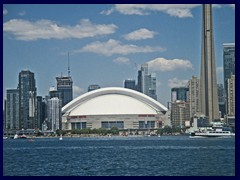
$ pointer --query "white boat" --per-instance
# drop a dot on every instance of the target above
(4, 137)
(20, 136)
(60, 138)
(15, 136)
(212, 133)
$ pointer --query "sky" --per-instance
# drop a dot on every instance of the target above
(107, 43)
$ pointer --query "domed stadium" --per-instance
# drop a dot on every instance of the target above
(113, 107)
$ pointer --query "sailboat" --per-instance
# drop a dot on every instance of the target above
(60, 137)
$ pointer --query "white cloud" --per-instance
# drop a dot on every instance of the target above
(177, 83)
(46, 29)
(162, 64)
(121, 60)
(176, 10)
(77, 91)
(139, 34)
(5, 11)
(22, 13)
(115, 47)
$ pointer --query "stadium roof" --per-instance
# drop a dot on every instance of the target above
(113, 101)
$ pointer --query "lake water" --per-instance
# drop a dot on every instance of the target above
(120, 156)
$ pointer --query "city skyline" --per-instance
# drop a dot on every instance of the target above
(105, 48)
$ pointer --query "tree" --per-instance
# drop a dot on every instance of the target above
(167, 130)
(114, 130)
(160, 131)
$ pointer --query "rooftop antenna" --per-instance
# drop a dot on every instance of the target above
(68, 66)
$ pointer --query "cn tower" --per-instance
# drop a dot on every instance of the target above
(208, 82)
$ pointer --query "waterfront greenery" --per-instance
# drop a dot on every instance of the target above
(167, 130)
(171, 130)
(100, 131)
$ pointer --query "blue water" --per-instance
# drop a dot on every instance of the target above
(120, 156)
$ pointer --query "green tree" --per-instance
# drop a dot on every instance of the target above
(160, 131)
(167, 130)
(114, 130)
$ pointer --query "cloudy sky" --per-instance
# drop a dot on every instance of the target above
(108, 43)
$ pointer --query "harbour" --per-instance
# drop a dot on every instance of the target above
(120, 156)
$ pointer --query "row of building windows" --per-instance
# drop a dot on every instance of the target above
(79, 125)
(110, 124)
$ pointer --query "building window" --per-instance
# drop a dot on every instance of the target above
(146, 124)
(110, 124)
(79, 125)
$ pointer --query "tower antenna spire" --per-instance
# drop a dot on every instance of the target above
(68, 66)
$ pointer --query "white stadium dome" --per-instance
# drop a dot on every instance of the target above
(114, 104)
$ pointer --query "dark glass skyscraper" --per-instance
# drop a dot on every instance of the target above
(228, 61)
(180, 93)
(139, 81)
(228, 64)
(93, 87)
(40, 116)
(130, 84)
(27, 99)
(221, 100)
(64, 86)
(12, 109)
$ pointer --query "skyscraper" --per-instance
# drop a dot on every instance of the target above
(180, 93)
(139, 81)
(208, 82)
(228, 61)
(152, 91)
(12, 109)
(221, 100)
(231, 96)
(145, 78)
(93, 87)
(54, 114)
(130, 84)
(194, 96)
(146, 82)
(228, 71)
(27, 99)
(39, 115)
(180, 113)
(54, 93)
(64, 86)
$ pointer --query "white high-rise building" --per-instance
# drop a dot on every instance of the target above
(147, 82)
(54, 114)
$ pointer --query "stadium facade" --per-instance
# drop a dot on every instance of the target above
(113, 107)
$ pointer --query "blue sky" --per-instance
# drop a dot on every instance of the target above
(108, 43)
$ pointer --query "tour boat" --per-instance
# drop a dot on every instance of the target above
(212, 133)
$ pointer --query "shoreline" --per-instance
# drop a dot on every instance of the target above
(106, 136)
